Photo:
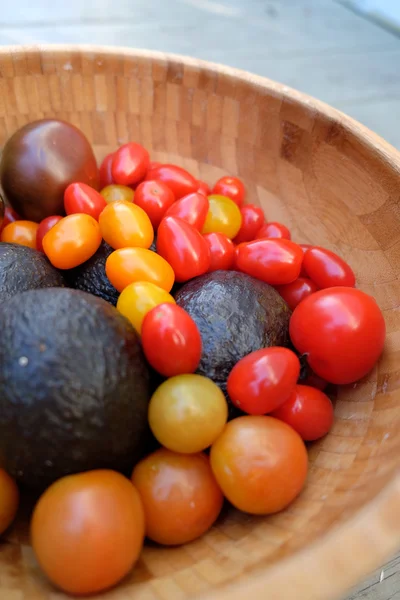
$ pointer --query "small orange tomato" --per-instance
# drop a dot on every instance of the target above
(126, 265)
(20, 232)
(9, 500)
(138, 298)
(87, 531)
(124, 225)
(114, 192)
(72, 241)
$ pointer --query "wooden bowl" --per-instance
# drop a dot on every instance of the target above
(333, 183)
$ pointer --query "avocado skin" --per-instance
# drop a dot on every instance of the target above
(23, 268)
(74, 387)
(236, 314)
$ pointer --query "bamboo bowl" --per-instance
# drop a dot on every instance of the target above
(332, 182)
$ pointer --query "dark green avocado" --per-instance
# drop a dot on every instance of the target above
(74, 387)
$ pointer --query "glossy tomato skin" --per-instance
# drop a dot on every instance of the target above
(192, 208)
(139, 298)
(130, 164)
(81, 198)
(180, 181)
(203, 188)
(115, 192)
(261, 381)
(20, 232)
(183, 247)
(252, 220)
(180, 496)
(223, 216)
(72, 241)
(232, 187)
(273, 230)
(105, 171)
(304, 247)
(342, 330)
(44, 227)
(309, 411)
(222, 251)
(260, 463)
(293, 293)
(274, 261)
(126, 265)
(327, 269)
(9, 217)
(171, 340)
(124, 225)
(9, 500)
(155, 198)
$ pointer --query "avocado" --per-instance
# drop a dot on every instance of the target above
(23, 268)
(236, 314)
(74, 387)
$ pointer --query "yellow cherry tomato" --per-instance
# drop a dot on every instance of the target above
(20, 232)
(114, 192)
(72, 241)
(223, 216)
(126, 265)
(124, 224)
(138, 298)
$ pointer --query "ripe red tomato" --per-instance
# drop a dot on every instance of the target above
(203, 188)
(155, 198)
(9, 217)
(105, 171)
(273, 230)
(183, 247)
(171, 340)
(308, 411)
(222, 251)
(130, 164)
(327, 269)
(81, 198)
(304, 247)
(154, 164)
(276, 262)
(232, 187)
(192, 208)
(44, 227)
(342, 330)
(180, 181)
(263, 380)
(293, 293)
(252, 220)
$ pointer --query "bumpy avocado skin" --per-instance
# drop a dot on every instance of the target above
(74, 387)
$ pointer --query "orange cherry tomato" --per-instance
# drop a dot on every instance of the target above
(87, 531)
(72, 241)
(180, 496)
(126, 265)
(139, 298)
(105, 173)
(115, 192)
(20, 232)
(45, 226)
(223, 216)
(9, 500)
(124, 225)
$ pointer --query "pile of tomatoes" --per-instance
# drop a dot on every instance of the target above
(257, 461)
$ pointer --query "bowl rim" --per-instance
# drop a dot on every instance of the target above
(319, 571)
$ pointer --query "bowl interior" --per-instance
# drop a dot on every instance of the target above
(305, 165)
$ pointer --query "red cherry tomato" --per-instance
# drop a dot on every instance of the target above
(327, 269)
(252, 220)
(9, 217)
(154, 164)
(171, 340)
(308, 411)
(44, 227)
(203, 188)
(342, 330)
(293, 293)
(232, 187)
(105, 171)
(222, 251)
(261, 381)
(183, 247)
(155, 198)
(273, 230)
(81, 198)
(276, 262)
(130, 164)
(304, 247)
(192, 208)
(180, 181)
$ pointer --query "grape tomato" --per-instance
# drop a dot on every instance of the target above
(126, 265)
(130, 164)
(252, 220)
(223, 216)
(138, 298)
(232, 187)
(155, 198)
(81, 198)
(274, 261)
(124, 224)
(192, 208)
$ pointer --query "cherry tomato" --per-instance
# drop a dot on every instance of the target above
(293, 293)
(105, 171)
(154, 164)
(9, 500)
(81, 198)
(138, 298)
(304, 247)
(130, 164)
(223, 216)
(231, 187)
(222, 251)
(114, 192)
(183, 247)
(124, 224)
(180, 181)
(342, 330)
(20, 232)
(72, 241)
(203, 188)
(252, 220)
(180, 496)
(88, 530)
(308, 411)
(327, 269)
(187, 413)
(273, 230)
(276, 262)
(9, 217)
(155, 198)
(192, 208)
(260, 464)
(263, 380)
(126, 265)
(43, 228)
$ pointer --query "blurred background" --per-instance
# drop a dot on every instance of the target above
(346, 53)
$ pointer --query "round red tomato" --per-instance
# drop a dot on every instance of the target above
(44, 227)
(203, 188)
(308, 411)
(171, 340)
(192, 208)
(293, 293)
(81, 198)
(273, 230)
(252, 220)
(232, 187)
(342, 331)
(276, 262)
(105, 171)
(180, 181)
(327, 269)
(222, 251)
(155, 198)
(304, 247)
(263, 380)
(130, 164)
